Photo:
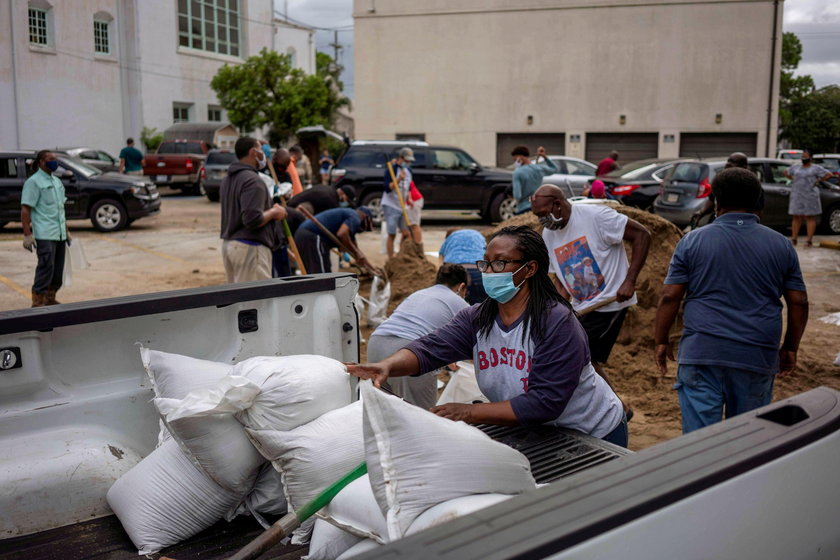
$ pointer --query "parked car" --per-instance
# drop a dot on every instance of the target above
(178, 164)
(110, 200)
(789, 154)
(215, 169)
(637, 183)
(688, 185)
(99, 159)
(448, 177)
(572, 171)
(830, 162)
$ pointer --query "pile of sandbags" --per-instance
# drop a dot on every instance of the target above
(209, 469)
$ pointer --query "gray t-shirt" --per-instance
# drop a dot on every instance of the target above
(547, 381)
(422, 312)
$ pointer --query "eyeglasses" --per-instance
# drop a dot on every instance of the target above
(495, 266)
(533, 197)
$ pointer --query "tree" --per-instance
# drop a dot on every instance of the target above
(151, 138)
(791, 88)
(266, 91)
(326, 67)
(815, 120)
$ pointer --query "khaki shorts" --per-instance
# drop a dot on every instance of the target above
(244, 262)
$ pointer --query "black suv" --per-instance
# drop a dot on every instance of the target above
(110, 200)
(448, 178)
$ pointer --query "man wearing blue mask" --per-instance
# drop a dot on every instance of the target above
(586, 245)
(45, 227)
(527, 177)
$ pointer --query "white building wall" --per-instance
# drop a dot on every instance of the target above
(300, 40)
(478, 67)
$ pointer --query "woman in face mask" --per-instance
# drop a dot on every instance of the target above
(530, 353)
(805, 196)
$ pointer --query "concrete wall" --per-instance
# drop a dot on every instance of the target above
(301, 40)
(472, 68)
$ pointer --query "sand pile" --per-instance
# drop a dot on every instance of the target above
(409, 271)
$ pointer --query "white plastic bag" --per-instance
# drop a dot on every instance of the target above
(356, 511)
(329, 542)
(165, 499)
(74, 260)
(380, 295)
(462, 387)
(216, 441)
(417, 459)
(453, 509)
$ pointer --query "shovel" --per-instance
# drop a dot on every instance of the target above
(291, 521)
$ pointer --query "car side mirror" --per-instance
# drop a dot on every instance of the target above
(474, 168)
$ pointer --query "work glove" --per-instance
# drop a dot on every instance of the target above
(29, 242)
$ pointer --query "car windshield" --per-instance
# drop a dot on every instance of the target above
(634, 170)
(79, 167)
(220, 158)
(180, 148)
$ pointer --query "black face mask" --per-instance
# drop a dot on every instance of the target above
(806, 161)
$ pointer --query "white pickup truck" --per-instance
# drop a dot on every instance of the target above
(76, 413)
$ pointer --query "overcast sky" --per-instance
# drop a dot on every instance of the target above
(816, 23)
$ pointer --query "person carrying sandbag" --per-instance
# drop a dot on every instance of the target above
(530, 352)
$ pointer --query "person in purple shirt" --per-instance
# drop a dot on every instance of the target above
(530, 353)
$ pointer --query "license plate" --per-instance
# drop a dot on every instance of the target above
(672, 197)
(161, 178)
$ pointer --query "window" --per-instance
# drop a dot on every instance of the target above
(180, 148)
(421, 136)
(214, 114)
(181, 112)
(8, 168)
(363, 158)
(102, 156)
(758, 169)
(292, 57)
(660, 174)
(38, 27)
(580, 168)
(450, 159)
(101, 37)
(778, 171)
(209, 25)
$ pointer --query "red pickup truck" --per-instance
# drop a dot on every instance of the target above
(178, 164)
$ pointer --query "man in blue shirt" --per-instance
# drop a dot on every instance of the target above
(527, 177)
(45, 227)
(732, 274)
(131, 159)
(344, 223)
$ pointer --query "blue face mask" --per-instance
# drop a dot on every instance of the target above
(500, 286)
(52, 165)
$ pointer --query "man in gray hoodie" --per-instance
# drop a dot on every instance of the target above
(247, 216)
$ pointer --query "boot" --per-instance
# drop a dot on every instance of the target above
(50, 297)
(38, 299)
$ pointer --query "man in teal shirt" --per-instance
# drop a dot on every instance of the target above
(44, 227)
(527, 177)
(131, 159)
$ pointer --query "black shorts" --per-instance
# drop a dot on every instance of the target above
(602, 331)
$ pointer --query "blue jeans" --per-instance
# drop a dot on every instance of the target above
(704, 391)
(619, 434)
(394, 221)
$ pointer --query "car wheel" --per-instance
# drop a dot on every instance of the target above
(831, 220)
(108, 215)
(502, 208)
(374, 202)
(213, 196)
(196, 189)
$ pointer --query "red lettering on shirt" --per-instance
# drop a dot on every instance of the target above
(482, 361)
(494, 357)
(503, 356)
(524, 381)
(520, 361)
(529, 364)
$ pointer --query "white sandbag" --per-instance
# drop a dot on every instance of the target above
(217, 442)
(267, 497)
(294, 390)
(462, 387)
(356, 511)
(417, 459)
(315, 455)
(380, 295)
(329, 542)
(364, 546)
(453, 509)
(165, 499)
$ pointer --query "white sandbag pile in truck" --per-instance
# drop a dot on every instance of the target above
(329, 542)
(356, 511)
(267, 497)
(359, 549)
(453, 509)
(313, 456)
(166, 498)
(417, 460)
(217, 442)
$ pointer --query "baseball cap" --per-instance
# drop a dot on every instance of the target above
(349, 191)
(597, 189)
(407, 154)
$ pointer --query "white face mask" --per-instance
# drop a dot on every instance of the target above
(261, 163)
(517, 164)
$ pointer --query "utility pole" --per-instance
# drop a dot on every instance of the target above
(336, 46)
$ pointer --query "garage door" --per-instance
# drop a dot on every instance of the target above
(554, 143)
(712, 144)
(630, 146)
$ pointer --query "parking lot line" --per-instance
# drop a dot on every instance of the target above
(15, 286)
(144, 249)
